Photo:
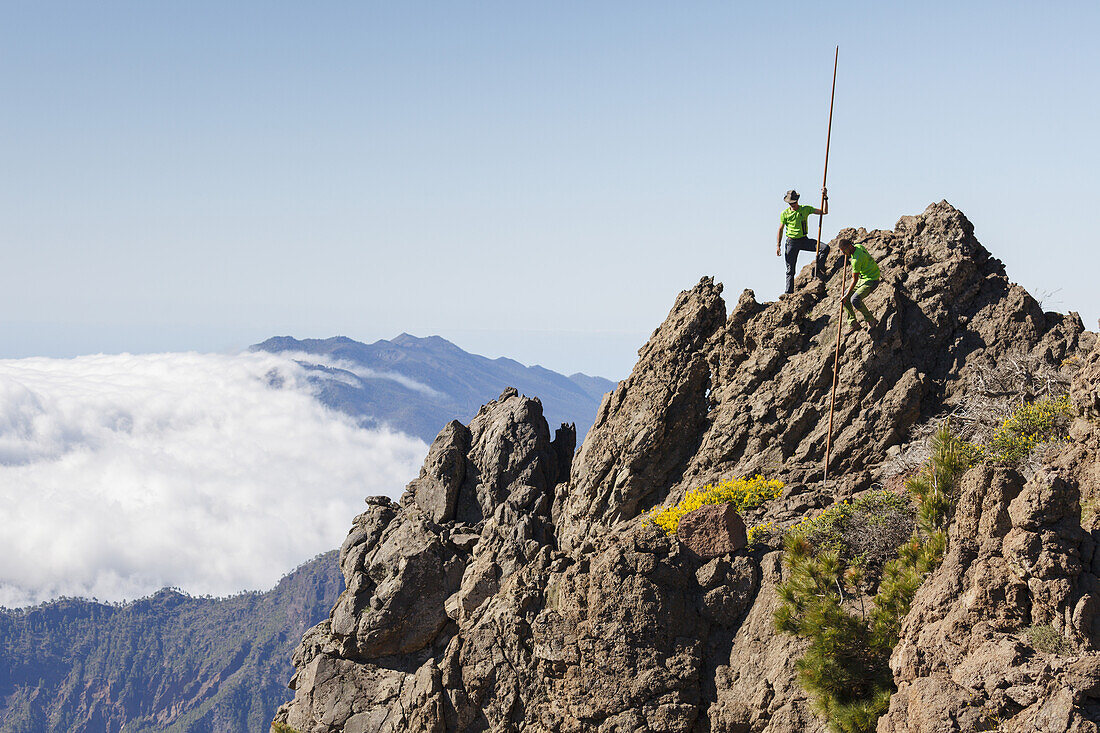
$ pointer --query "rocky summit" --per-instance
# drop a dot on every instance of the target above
(517, 585)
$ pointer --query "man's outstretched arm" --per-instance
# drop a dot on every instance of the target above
(825, 196)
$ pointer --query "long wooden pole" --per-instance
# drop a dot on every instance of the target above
(840, 316)
(836, 363)
(825, 176)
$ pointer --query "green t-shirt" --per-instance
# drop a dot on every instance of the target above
(863, 264)
(795, 221)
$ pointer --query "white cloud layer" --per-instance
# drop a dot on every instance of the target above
(325, 360)
(122, 474)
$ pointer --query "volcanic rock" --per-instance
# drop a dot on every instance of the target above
(712, 530)
(519, 588)
(714, 397)
(1018, 560)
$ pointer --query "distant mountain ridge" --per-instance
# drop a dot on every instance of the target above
(418, 385)
(169, 663)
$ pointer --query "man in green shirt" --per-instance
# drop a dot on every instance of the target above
(865, 278)
(793, 220)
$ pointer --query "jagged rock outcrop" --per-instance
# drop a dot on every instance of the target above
(515, 589)
(418, 572)
(648, 429)
(1017, 559)
(712, 397)
(1019, 563)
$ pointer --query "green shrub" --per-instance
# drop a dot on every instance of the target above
(743, 493)
(846, 668)
(1089, 509)
(848, 676)
(282, 728)
(1029, 426)
(867, 529)
(1046, 639)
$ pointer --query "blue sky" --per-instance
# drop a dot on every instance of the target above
(535, 180)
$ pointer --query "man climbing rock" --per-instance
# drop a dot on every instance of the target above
(793, 219)
(865, 276)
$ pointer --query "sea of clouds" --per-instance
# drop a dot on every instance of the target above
(122, 474)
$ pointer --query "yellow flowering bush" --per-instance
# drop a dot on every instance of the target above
(757, 533)
(1031, 425)
(743, 493)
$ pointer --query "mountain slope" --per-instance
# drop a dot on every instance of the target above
(500, 595)
(418, 384)
(169, 662)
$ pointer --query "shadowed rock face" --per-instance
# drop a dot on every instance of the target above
(516, 588)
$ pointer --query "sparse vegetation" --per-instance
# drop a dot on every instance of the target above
(824, 598)
(990, 721)
(866, 530)
(1089, 509)
(1045, 638)
(282, 728)
(743, 493)
(993, 397)
(763, 534)
(1028, 427)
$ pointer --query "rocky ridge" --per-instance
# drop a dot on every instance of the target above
(515, 587)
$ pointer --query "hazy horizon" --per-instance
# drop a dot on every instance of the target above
(531, 181)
